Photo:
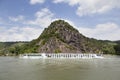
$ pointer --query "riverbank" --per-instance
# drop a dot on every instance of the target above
(104, 55)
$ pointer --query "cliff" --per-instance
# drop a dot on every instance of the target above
(61, 37)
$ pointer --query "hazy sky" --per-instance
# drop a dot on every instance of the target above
(24, 20)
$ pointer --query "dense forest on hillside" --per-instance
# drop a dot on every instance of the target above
(11, 48)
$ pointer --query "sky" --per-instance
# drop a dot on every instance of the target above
(24, 20)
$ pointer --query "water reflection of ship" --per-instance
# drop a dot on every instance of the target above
(61, 56)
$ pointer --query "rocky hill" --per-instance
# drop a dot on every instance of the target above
(61, 37)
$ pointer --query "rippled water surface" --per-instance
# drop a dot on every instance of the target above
(14, 68)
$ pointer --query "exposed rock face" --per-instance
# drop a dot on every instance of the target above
(61, 37)
(54, 45)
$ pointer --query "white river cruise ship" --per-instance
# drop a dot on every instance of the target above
(60, 56)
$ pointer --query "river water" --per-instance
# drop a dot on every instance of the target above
(14, 68)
